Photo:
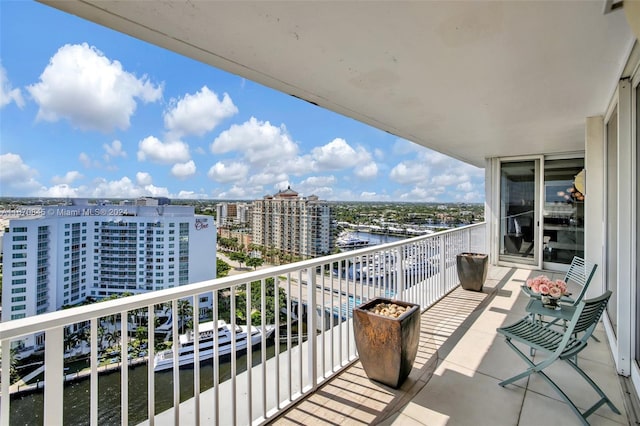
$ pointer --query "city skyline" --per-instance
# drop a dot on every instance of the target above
(91, 113)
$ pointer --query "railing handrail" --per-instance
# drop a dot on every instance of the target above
(39, 323)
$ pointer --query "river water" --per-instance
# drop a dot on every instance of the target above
(28, 409)
(375, 239)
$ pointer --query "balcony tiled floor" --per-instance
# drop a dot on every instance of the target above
(455, 377)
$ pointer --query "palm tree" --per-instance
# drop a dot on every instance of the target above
(101, 335)
(184, 311)
(112, 337)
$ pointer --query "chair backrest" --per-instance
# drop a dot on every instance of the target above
(580, 272)
(584, 320)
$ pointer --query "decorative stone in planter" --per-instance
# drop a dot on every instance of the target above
(472, 270)
(387, 345)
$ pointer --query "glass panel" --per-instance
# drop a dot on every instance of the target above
(612, 218)
(517, 211)
(563, 211)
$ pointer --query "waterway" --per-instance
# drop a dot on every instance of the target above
(28, 409)
(376, 239)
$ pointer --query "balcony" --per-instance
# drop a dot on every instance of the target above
(454, 378)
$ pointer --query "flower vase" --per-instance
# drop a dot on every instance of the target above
(550, 302)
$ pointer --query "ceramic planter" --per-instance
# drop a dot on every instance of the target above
(472, 270)
(387, 346)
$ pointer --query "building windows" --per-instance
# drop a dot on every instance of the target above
(18, 299)
(18, 273)
(19, 264)
(19, 246)
(20, 229)
(18, 308)
(18, 290)
(17, 316)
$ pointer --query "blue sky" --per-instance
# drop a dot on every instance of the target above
(88, 112)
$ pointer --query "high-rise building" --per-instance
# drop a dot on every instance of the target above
(299, 226)
(66, 255)
(230, 214)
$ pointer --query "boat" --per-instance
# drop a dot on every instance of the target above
(348, 241)
(164, 359)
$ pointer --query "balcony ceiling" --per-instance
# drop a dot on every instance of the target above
(468, 79)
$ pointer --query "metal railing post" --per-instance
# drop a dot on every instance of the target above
(443, 265)
(53, 375)
(400, 273)
(312, 326)
(6, 381)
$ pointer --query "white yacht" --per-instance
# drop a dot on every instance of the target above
(164, 359)
(348, 241)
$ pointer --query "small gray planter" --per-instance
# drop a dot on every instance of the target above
(472, 270)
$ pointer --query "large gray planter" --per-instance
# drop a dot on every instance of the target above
(387, 346)
(472, 270)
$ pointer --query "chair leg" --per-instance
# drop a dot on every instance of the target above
(604, 399)
(522, 375)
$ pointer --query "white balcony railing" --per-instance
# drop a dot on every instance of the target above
(285, 369)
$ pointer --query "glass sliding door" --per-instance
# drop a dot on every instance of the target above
(563, 212)
(519, 190)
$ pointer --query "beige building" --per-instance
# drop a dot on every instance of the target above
(299, 226)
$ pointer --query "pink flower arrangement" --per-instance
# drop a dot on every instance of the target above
(546, 287)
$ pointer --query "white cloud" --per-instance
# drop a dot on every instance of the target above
(409, 172)
(190, 195)
(267, 178)
(367, 171)
(335, 155)
(143, 178)
(199, 113)
(297, 166)
(62, 190)
(114, 150)
(319, 181)
(420, 194)
(123, 188)
(184, 170)
(152, 149)
(237, 192)
(258, 141)
(372, 196)
(7, 93)
(447, 179)
(228, 172)
(16, 177)
(68, 178)
(465, 186)
(82, 85)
